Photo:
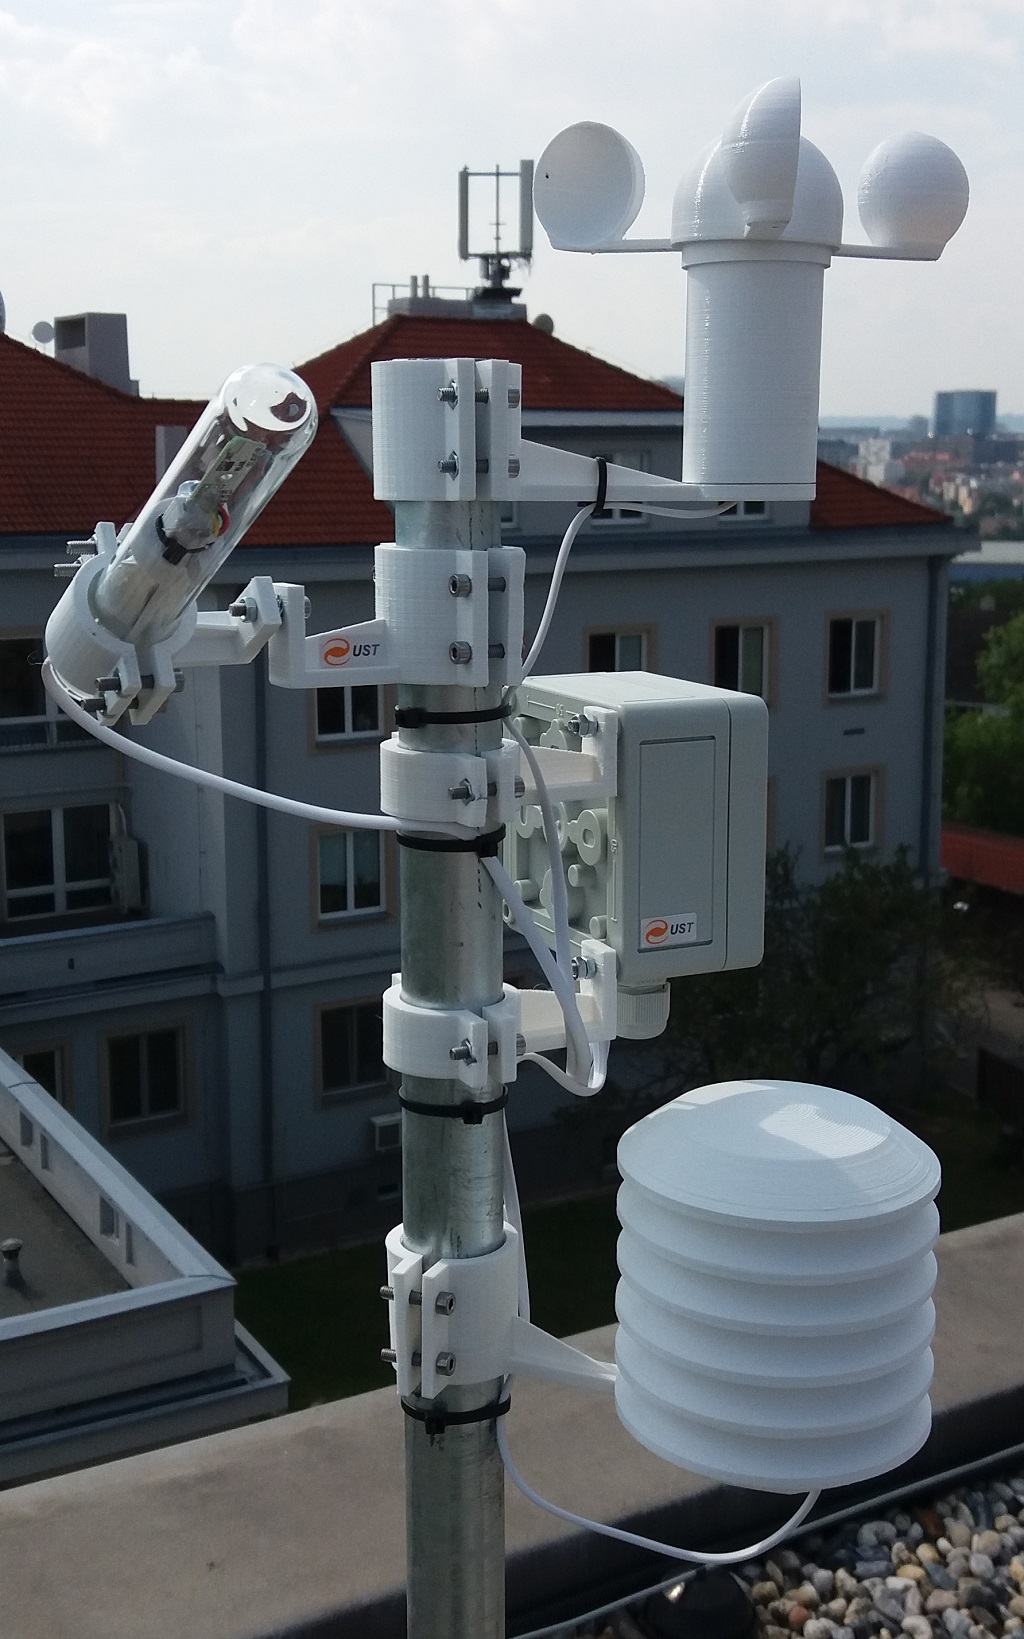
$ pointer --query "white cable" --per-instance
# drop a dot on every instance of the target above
(217, 782)
(513, 1212)
(557, 572)
(595, 1081)
(575, 1029)
(690, 1555)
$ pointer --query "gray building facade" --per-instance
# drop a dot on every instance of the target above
(200, 981)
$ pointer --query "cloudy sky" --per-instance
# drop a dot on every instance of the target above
(235, 174)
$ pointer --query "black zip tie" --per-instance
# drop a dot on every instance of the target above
(437, 1419)
(485, 846)
(470, 1111)
(602, 485)
(419, 717)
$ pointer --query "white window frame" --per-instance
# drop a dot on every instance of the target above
(154, 1118)
(334, 1094)
(60, 885)
(642, 633)
(847, 780)
(352, 910)
(50, 718)
(745, 512)
(348, 736)
(876, 681)
(744, 626)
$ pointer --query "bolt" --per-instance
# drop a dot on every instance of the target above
(389, 1357)
(583, 968)
(482, 464)
(444, 1365)
(417, 1358)
(108, 685)
(496, 583)
(388, 1294)
(513, 466)
(460, 586)
(495, 651)
(65, 571)
(243, 609)
(463, 792)
(482, 396)
(179, 681)
(463, 1054)
(448, 395)
(520, 1046)
(514, 398)
(519, 786)
(460, 654)
(82, 546)
(449, 466)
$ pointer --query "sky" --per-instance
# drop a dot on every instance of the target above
(236, 174)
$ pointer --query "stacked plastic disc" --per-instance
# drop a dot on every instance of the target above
(776, 1271)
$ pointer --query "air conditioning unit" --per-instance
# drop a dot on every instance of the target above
(387, 1132)
(125, 873)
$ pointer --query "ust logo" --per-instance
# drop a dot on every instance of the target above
(660, 932)
(339, 651)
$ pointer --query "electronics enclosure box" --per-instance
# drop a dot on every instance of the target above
(682, 840)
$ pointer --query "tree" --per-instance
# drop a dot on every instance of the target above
(857, 976)
(984, 752)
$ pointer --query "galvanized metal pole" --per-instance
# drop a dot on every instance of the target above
(453, 1172)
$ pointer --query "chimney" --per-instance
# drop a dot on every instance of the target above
(96, 344)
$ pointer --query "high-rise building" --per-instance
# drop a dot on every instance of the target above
(966, 414)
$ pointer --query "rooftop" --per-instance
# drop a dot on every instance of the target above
(76, 450)
(58, 1262)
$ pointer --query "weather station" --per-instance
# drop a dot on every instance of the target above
(776, 1258)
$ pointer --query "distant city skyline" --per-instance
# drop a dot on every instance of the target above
(236, 176)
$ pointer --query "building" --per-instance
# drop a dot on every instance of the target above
(200, 980)
(966, 414)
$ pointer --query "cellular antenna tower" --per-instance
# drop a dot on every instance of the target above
(496, 259)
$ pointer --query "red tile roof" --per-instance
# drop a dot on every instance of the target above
(555, 375)
(75, 451)
(987, 857)
(846, 502)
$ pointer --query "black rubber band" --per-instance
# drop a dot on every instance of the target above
(419, 717)
(602, 485)
(470, 1111)
(438, 1419)
(485, 846)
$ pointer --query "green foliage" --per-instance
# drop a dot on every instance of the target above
(856, 972)
(984, 771)
(1001, 665)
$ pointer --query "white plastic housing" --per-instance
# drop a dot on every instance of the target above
(776, 1270)
(664, 852)
(588, 186)
(240, 451)
(913, 193)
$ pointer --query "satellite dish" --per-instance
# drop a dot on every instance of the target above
(760, 151)
(43, 332)
(588, 186)
(913, 193)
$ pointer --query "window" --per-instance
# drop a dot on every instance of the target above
(28, 717)
(849, 811)
(853, 654)
(344, 714)
(616, 651)
(145, 1076)
(741, 659)
(350, 876)
(746, 509)
(351, 1048)
(46, 1065)
(638, 461)
(55, 861)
